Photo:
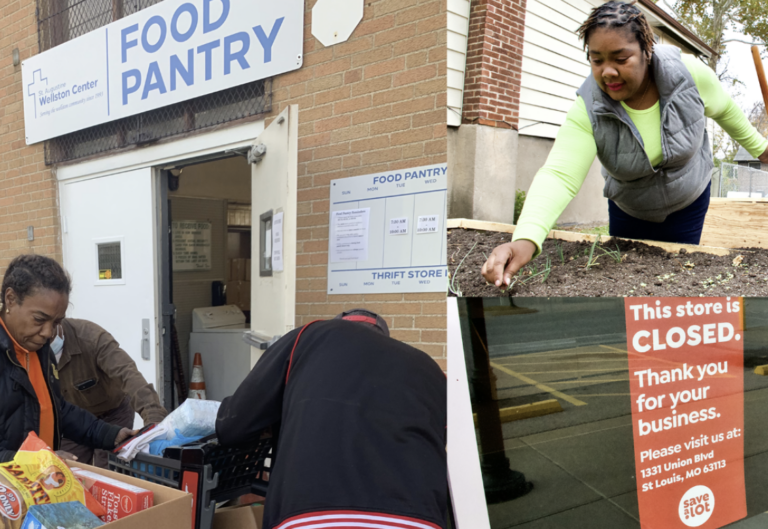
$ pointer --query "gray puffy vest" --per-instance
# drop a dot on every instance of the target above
(641, 190)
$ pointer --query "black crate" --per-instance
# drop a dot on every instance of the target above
(209, 471)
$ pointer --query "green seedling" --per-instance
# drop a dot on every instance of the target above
(591, 260)
(547, 270)
(559, 250)
(613, 254)
(456, 288)
(519, 278)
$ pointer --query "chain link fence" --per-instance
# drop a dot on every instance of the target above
(59, 21)
(739, 181)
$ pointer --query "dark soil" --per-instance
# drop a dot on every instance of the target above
(642, 270)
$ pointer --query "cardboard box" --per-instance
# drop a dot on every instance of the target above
(239, 517)
(172, 508)
(238, 269)
(118, 498)
(245, 295)
(233, 293)
(239, 293)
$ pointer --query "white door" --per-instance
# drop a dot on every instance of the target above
(465, 479)
(274, 184)
(108, 235)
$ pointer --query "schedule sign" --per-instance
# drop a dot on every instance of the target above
(388, 232)
(687, 388)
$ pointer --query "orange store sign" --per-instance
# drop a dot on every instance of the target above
(687, 386)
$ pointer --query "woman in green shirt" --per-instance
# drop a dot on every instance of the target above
(642, 112)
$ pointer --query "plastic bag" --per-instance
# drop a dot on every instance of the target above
(38, 476)
(156, 447)
(194, 418)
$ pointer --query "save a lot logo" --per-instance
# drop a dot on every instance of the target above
(696, 506)
(10, 503)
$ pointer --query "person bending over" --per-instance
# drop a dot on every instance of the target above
(360, 420)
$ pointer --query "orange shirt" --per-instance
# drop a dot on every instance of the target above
(31, 362)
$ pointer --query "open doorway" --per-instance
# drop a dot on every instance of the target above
(209, 212)
(125, 199)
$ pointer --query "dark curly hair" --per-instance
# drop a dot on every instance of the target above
(619, 15)
(29, 272)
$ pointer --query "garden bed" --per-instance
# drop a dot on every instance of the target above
(609, 267)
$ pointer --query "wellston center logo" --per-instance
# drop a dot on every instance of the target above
(696, 506)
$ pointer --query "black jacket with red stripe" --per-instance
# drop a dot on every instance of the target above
(362, 422)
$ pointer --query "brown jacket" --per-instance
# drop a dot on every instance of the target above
(96, 374)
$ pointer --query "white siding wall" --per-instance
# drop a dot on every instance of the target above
(458, 31)
(554, 64)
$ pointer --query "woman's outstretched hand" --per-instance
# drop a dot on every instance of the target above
(505, 261)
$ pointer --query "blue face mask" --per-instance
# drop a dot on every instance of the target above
(57, 345)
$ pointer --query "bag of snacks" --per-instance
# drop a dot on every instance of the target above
(38, 476)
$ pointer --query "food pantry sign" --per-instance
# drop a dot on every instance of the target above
(170, 52)
(686, 384)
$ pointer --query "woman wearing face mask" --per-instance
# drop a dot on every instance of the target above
(97, 375)
(642, 112)
(35, 296)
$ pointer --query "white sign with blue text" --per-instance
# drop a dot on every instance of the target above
(405, 234)
(170, 52)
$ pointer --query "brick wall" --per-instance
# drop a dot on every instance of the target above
(374, 103)
(27, 186)
(494, 62)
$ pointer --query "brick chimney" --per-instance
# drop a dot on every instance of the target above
(494, 63)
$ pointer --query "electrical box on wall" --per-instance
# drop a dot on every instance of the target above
(387, 232)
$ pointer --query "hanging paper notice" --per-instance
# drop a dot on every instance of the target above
(687, 389)
(191, 245)
(398, 226)
(349, 235)
(428, 224)
(277, 242)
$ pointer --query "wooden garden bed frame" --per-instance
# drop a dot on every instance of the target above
(730, 223)
(585, 237)
(736, 223)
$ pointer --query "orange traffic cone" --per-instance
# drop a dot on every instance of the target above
(197, 384)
